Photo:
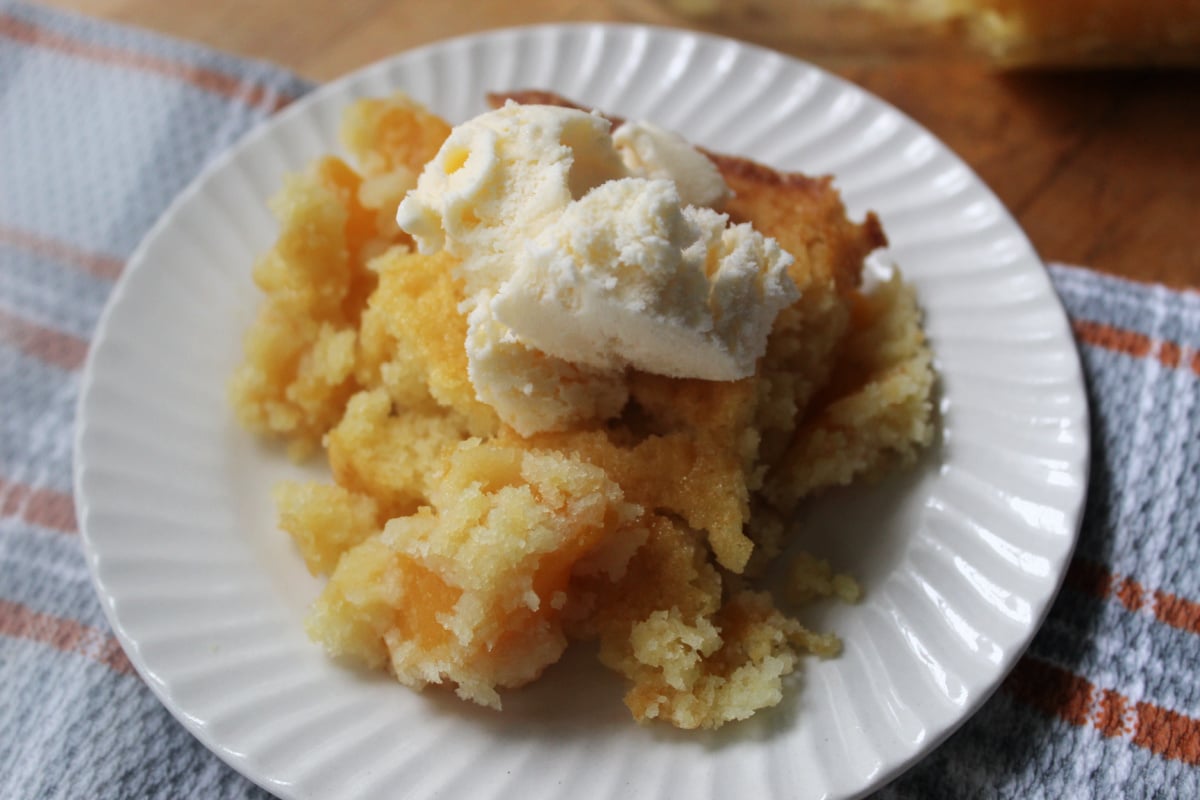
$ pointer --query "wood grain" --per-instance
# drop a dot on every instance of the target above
(1101, 168)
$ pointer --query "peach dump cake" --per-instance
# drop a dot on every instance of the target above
(572, 377)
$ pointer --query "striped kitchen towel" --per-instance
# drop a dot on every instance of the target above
(100, 126)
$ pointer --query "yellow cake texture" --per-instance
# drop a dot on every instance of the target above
(457, 552)
(1070, 32)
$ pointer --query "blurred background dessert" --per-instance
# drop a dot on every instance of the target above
(1008, 33)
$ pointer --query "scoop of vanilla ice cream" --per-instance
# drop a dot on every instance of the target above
(500, 178)
(582, 259)
(622, 278)
(653, 152)
(531, 391)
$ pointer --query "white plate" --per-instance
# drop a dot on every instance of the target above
(960, 557)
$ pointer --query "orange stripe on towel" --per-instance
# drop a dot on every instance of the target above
(45, 508)
(45, 344)
(1170, 354)
(1060, 693)
(206, 79)
(67, 635)
(1098, 334)
(1094, 579)
(101, 266)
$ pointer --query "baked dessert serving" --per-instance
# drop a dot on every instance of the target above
(572, 377)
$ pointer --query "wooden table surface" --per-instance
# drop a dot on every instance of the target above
(1102, 168)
